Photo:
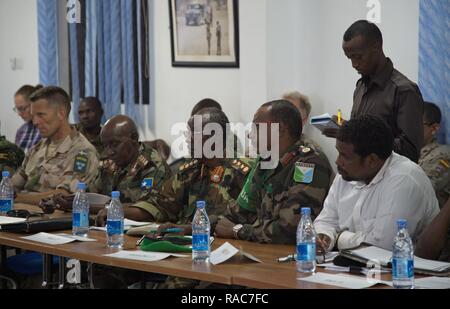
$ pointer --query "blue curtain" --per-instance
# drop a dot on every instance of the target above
(106, 57)
(434, 58)
(48, 41)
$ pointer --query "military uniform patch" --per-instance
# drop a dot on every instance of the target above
(217, 174)
(147, 183)
(4, 156)
(304, 172)
(241, 166)
(81, 163)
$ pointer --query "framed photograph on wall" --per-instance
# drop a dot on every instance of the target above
(204, 33)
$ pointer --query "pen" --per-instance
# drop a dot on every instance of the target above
(290, 257)
(339, 117)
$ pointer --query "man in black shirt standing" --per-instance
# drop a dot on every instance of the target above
(382, 90)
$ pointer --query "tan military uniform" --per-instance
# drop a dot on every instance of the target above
(51, 166)
(435, 161)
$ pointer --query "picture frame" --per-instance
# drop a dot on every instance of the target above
(204, 33)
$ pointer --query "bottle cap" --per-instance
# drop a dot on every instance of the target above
(402, 224)
(5, 174)
(115, 194)
(306, 211)
(201, 204)
(81, 186)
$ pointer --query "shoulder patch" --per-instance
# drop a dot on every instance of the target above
(188, 165)
(241, 166)
(304, 172)
(147, 183)
(81, 163)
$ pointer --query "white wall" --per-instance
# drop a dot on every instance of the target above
(284, 45)
(18, 39)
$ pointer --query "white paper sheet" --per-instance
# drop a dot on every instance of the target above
(78, 238)
(384, 256)
(143, 255)
(339, 280)
(11, 220)
(128, 222)
(50, 239)
(227, 251)
(432, 283)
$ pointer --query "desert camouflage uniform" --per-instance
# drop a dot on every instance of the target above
(269, 205)
(48, 167)
(435, 161)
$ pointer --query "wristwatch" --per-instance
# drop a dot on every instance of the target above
(236, 230)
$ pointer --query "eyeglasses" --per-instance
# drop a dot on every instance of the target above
(21, 109)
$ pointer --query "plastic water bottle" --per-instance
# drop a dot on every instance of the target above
(114, 222)
(80, 212)
(306, 243)
(403, 258)
(6, 194)
(200, 234)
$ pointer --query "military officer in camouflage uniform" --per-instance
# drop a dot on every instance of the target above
(90, 113)
(216, 180)
(130, 167)
(61, 159)
(11, 156)
(268, 208)
(435, 158)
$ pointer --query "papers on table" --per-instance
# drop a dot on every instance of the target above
(342, 281)
(11, 220)
(129, 224)
(432, 283)
(329, 257)
(55, 239)
(143, 255)
(324, 121)
(227, 251)
(384, 256)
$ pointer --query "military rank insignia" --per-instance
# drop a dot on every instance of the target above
(147, 184)
(304, 172)
(81, 163)
(217, 174)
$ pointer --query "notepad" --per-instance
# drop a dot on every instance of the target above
(323, 122)
(366, 253)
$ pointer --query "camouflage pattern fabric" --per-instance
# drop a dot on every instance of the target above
(435, 161)
(129, 180)
(11, 156)
(49, 167)
(269, 205)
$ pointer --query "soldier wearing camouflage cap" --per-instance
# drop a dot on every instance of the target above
(434, 157)
(267, 209)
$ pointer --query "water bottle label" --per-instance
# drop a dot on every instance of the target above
(200, 242)
(402, 268)
(80, 219)
(6, 205)
(306, 252)
(114, 227)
